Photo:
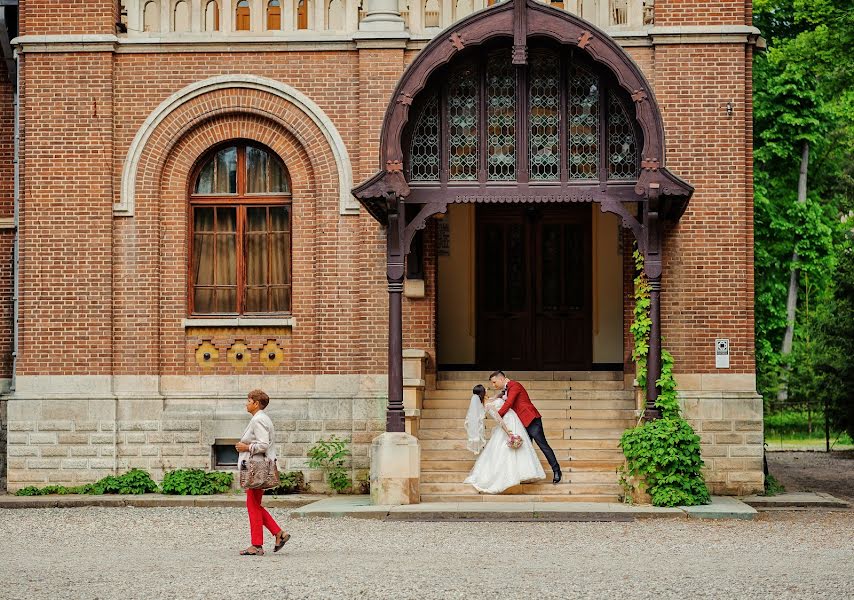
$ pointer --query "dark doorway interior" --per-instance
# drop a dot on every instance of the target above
(534, 273)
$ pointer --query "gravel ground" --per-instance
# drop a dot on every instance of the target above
(815, 472)
(114, 553)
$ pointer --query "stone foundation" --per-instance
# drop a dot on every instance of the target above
(3, 436)
(77, 438)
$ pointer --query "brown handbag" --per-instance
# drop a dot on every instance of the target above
(259, 472)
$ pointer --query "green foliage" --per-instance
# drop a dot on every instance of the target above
(665, 455)
(135, 481)
(196, 482)
(291, 482)
(772, 486)
(330, 456)
(802, 93)
(662, 455)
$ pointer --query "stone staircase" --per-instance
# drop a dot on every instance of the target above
(584, 415)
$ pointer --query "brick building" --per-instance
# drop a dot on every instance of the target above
(191, 207)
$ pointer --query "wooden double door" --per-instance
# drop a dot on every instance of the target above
(534, 272)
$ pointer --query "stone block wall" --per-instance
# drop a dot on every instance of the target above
(70, 441)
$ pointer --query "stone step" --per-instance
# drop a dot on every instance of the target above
(428, 446)
(562, 489)
(600, 400)
(608, 477)
(457, 384)
(563, 454)
(548, 414)
(535, 375)
(552, 427)
(577, 461)
(567, 434)
(538, 397)
(519, 498)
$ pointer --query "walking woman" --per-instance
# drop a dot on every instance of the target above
(258, 439)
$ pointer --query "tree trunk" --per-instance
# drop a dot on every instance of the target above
(792, 300)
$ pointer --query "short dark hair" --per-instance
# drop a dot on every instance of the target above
(479, 390)
(260, 397)
(496, 374)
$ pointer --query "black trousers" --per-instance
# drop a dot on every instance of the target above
(535, 430)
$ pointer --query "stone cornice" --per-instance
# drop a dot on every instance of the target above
(324, 42)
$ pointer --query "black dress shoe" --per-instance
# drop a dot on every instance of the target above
(557, 477)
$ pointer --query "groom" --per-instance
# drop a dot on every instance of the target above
(518, 400)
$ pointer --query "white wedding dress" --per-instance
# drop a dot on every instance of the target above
(500, 467)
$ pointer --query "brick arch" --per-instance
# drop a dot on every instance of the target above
(307, 184)
(234, 93)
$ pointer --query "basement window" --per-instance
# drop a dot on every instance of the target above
(225, 455)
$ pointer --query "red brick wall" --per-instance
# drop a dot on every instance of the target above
(66, 219)
(701, 12)
(7, 236)
(53, 17)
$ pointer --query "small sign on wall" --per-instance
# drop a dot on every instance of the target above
(722, 354)
(443, 236)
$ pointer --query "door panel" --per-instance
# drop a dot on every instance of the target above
(534, 287)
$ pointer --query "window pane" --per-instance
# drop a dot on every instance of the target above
(622, 146)
(226, 300)
(280, 299)
(203, 259)
(203, 219)
(225, 181)
(203, 300)
(256, 170)
(280, 258)
(205, 182)
(256, 259)
(226, 259)
(424, 147)
(280, 217)
(501, 116)
(256, 218)
(256, 299)
(226, 219)
(583, 112)
(544, 102)
(278, 180)
(462, 123)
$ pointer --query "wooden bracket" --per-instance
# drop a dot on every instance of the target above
(584, 39)
(457, 41)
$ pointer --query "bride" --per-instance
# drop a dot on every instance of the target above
(499, 466)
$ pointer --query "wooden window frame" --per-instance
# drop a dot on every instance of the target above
(274, 12)
(241, 200)
(248, 16)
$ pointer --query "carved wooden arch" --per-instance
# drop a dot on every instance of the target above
(521, 19)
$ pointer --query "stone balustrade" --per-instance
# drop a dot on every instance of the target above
(250, 18)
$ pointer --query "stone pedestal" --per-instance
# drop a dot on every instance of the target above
(395, 469)
(382, 15)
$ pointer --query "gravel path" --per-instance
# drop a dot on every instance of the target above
(126, 553)
(815, 472)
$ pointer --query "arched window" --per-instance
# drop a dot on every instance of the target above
(579, 125)
(212, 16)
(240, 243)
(302, 14)
(431, 13)
(181, 16)
(274, 15)
(336, 17)
(151, 17)
(243, 21)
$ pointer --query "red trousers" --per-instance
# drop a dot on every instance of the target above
(259, 517)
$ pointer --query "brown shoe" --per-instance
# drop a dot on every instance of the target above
(281, 539)
(253, 551)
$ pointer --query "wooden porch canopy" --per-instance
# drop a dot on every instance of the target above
(402, 196)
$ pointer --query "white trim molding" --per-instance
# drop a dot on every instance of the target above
(239, 322)
(347, 203)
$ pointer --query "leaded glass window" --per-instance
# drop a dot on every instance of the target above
(501, 117)
(424, 148)
(463, 100)
(544, 118)
(622, 146)
(583, 109)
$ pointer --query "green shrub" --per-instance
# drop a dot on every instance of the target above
(135, 481)
(772, 486)
(291, 482)
(330, 456)
(662, 455)
(196, 482)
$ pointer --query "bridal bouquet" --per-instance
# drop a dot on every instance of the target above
(515, 442)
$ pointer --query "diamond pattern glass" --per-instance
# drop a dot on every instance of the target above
(462, 124)
(424, 148)
(501, 117)
(622, 145)
(583, 111)
(544, 103)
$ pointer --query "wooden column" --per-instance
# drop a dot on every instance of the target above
(395, 254)
(653, 269)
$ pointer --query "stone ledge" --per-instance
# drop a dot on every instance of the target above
(796, 500)
(153, 500)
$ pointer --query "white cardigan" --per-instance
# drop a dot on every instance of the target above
(259, 435)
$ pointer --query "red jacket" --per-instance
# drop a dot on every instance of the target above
(518, 400)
